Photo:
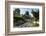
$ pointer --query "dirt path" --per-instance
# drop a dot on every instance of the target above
(27, 24)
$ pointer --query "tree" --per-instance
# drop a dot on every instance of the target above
(16, 11)
(27, 13)
(36, 16)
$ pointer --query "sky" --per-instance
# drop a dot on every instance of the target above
(23, 10)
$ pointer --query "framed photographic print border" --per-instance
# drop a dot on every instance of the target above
(7, 17)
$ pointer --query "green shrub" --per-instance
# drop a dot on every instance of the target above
(36, 24)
